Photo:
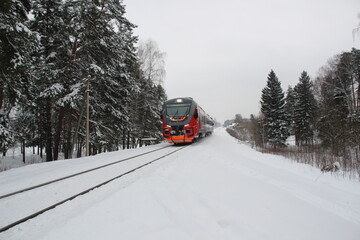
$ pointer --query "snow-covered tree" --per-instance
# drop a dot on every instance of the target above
(148, 102)
(16, 44)
(339, 125)
(289, 109)
(304, 111)
(105, 58)
(83, 42)
(79, 43)
(273, 108)
(51, 68)
(151, 94)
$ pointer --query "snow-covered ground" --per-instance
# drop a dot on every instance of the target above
(214, 189)
(14, 158)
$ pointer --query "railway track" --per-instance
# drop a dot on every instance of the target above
(76, 174)
(90, 179)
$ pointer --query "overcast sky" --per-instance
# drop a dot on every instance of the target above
(221, 52)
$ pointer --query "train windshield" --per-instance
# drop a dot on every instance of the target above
(178, 110)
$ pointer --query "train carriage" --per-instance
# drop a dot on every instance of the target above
(183, 121)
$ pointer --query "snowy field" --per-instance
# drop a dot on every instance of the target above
(214, 189)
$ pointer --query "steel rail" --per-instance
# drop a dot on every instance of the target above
(22, 220)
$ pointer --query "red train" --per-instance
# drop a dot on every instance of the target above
(183, 120)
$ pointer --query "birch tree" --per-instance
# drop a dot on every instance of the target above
(152, 61)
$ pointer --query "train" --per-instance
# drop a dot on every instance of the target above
(184, 121)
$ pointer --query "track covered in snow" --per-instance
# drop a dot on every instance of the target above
(214, 189)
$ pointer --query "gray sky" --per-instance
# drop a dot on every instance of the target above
(220, 52)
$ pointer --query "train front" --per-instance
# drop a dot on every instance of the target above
(179, 117)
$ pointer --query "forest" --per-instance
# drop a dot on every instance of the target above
(53, 54)
(323, 115)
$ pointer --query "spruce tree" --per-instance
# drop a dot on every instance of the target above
(273, 108)
(289, 109)
(304, 111)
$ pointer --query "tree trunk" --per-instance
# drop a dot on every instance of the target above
(23, 149)
(1, 96)
(128, 139)
(41, 151)
(48, 133)
(358, 94)
(124, 140)
(77, 129)
(69, 144)
(79, 148)
(133, 142)
(58, 131)
(1, 103)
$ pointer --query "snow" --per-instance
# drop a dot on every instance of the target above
(103, 43)
(52, 90)
(214, 189)
(96, 68)
(22, 28)
(75, 92)
(52, 55)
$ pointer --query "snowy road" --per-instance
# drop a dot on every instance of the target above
(215, 189)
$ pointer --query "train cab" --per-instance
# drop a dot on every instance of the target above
(183, 121)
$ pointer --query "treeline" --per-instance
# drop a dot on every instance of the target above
(50, 52)
(323, 115)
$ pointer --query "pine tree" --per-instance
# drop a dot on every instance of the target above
(16, 44)
(108, 60)
(304, 111)
(51, 68)
(83, 42)
(79, 43)
(273, 108)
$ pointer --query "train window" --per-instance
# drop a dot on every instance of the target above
(177, 110)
